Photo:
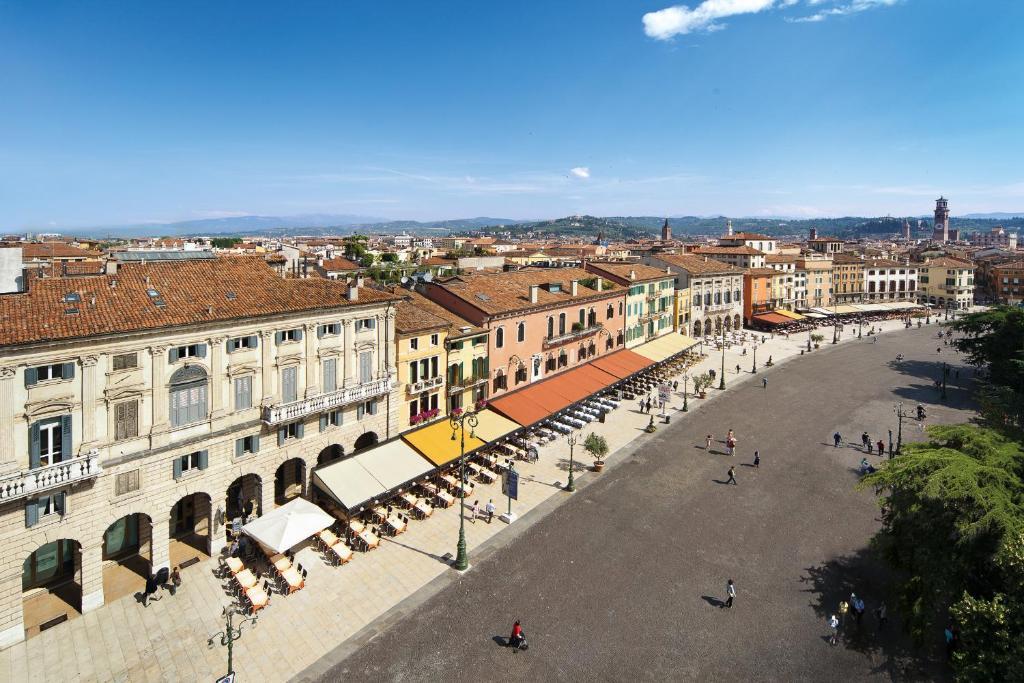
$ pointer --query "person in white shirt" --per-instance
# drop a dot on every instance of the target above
(489, 508)
(833, 623)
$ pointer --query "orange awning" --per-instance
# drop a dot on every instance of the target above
(543, 399)
(622, 364)
(772, 319)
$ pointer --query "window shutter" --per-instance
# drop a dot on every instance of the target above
(253, 341)
(320, 331)
(59, 499)
(33, 445)
(231, 345)
(31, 512)
(300, 430)
(298, 334)
(68, 371)
(278, 337)
(201, 350)
(360, 411)
(177, 468)
(65, 437)
(256, 443)
(31, 377)
(204, 459)
(323, 423)
(239, 447)
(373, 407)
(172, 355)
(282, 434)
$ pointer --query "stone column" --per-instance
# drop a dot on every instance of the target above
(267, 366)
(349, 371)
(90, 414)
(389, 355)
(312, 386)
(161, 417)
(92, 577)
(218, 397)
(12, 626)
(160, 551)
(8, 409)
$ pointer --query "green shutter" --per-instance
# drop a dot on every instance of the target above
(204, 459)
(59, 499)
(256, 443)
(172, 355)
(320, 331)
(31, 512)
(65, 437)
(201, 350)
(177, 468)
(239, 447)
(300, 430)
(282, 434)
(33, 445)
(298, 334)
(31, 377)
(323, 423)
(253, 341)
(67, 371)
(231, 345)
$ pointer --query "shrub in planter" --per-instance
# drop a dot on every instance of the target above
(597, 446)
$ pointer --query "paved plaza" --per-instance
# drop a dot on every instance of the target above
(618, 582)
(626, 582)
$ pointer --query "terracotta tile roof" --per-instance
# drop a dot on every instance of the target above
(187, 289)
(412, 317)
(439, 261)
(335, 265)
(447, 318)
(621, 271)
(699, 265)
(843, 259)
(47, 250)
(499, 293)
(945, 262)
(741, 251)
(781, 258)
(762, 272)
(66, 269)
(746, 236)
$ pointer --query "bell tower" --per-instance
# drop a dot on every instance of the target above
(666, 232)
(941, 231)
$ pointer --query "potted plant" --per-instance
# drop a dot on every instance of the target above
(481, 404)
(596, 445)
(817, 339)
(456, 412)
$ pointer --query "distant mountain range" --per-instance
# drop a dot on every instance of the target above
(612, 227)
(997, 215)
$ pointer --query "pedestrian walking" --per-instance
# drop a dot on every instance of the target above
(738, 366)
(833, 625)
(844, 608)
(858, 608)
(730, 593)
(707, 444)
(882, 614)
(474, 510)
(757, 459)
(730, 435)
(175, 580)
(764, 382)
(490, 510)
(870, 447)
(675, 385)
(865, 439)
(732, 477)
(881, 448)
(837, 438)
(641, 406)
(730, 445)
(151, 587)
(648, 405)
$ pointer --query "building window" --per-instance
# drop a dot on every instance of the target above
(292, 335)
(366, 408)
(366, 324)
(190, 462)
(243, 393)
(414, 343)
(329, 330)
(50, 441)
(187, 351)
(332, 419)
(330, 375)
(125, 361)
(188, 396)
(49, 564)
(247, 445)
(126, 482)
(499, 338)
(126, 420)
(521, 332)
(435, 339)
(289, 384)
(561, 323)
(44, 373)
(239, 343)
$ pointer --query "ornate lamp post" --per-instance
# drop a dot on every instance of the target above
(754, 369)
(721, 384)
(230, 633)
(860, 327)
(458, 424)
(686, 378)
(898, 409)
(571, 440)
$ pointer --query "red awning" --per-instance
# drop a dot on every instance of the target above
(772, 319)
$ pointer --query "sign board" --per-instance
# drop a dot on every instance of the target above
(665, 392)
(510, 484)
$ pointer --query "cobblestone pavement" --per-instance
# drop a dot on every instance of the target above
(167, 641)
(626, 581)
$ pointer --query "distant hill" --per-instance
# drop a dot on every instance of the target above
(998, 215)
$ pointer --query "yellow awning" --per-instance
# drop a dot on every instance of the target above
(664, 347)
(789, 314)
(436, 444)
(491, 426)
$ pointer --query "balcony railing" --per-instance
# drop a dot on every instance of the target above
(286, 412)
(49, 477)
(715, 308)
(463, 383)
(572, 336)
(425, 384)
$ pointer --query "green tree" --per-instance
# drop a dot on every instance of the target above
(225, 242)
(389, 257)
(950, 504)
(994, 339)
(596, 445)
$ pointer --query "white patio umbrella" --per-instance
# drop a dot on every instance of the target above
(288, 525)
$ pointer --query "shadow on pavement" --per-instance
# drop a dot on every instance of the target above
(442, 560)
(577, 466)
(864, 574)
(714, 602)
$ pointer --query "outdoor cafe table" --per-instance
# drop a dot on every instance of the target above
(281, 563)
(246, 579)
(293, 578)
(342, 552)
(234, 564)
(489, 475)
(258, 598)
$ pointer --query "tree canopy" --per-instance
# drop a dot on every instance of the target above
(994, 339)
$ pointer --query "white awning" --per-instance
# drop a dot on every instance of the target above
(288, 525)
(372, 474)
(394, 464)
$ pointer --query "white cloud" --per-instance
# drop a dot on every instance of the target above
(680, 19)
(581, 172)
(852, 7)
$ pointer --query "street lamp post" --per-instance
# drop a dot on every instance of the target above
(860, 327)
(458, 424)
(754, 369)
(835, 332)
(571, 440)
(686, 378)
(231, 633)
(898, 409)
(721, 384)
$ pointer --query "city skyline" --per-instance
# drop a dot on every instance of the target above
(120, 115)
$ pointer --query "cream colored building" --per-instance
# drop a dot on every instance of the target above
(946, 283)
(141, 411)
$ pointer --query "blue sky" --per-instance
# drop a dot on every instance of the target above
(124, 112)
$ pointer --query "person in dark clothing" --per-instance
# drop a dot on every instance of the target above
(732, 477)
(151, 588)
(881, 447)
(837, 438)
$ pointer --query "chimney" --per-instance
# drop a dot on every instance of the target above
(110, 268)
(533, 293)
(575, 287)
(632, 275)
(353, 293)
(600, 284)
(359, 280)
(814, 233)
